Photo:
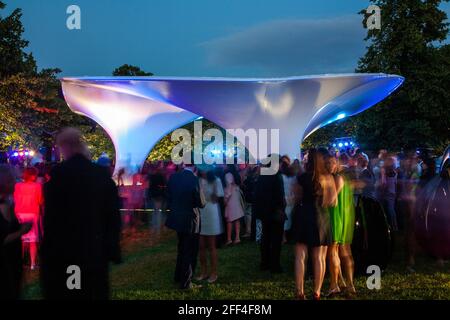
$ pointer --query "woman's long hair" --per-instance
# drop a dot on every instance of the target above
(316, 167)
(210, 176)
(231, 168)
(320, 168)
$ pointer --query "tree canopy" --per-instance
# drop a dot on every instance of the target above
(410, 44)
(31, 105)
(13, 58)
(129, 70)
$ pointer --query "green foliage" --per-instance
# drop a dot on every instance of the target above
(129, 70)
(98, 142)
(408, 44)
(22, 116)
(13, 58)
(32, 109)
(324, 136)
(163, 149)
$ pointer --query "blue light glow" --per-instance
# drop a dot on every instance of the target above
(340, 145)
(340, 116)
(15, 154)
(346, 144)
(230, 152)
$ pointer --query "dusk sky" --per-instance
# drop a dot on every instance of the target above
(239, 38)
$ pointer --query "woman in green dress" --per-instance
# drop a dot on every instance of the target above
(342, 217)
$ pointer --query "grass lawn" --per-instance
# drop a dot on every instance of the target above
(149, 261)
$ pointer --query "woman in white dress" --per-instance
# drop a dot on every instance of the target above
(211, 224)
(234, 207)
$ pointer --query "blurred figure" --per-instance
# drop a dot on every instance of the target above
(428, 171)
(132, 200)
(184, 200)
(81, 223)
(311, 221)
(432, 214)
(366, 179)
(105, 161)
(296, 167)
(27, 205)
(234, 205)
(388, 190)
(408, 181)
(289, 182)
(269, 207)
(342, 224)
(137, 198)
(350, 170)
(219, 172)
(211, 224)
(3, 157)
(248, 189)
(120, 175)
(256, 227)
(378, 166)
(11, 232)
(157, 190)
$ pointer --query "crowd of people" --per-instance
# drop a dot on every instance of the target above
(310, 203)
(70, 214)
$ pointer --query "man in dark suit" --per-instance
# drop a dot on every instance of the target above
(269, 204)
(81, 225)
(184, 200)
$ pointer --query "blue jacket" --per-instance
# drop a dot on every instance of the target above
(184, 199)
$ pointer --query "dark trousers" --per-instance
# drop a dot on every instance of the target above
(272, 237)
(186, 258)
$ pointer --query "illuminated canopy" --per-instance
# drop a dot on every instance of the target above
(137, 112)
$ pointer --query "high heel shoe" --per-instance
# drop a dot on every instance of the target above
(333, 292)
(350, 292)
(212, 279)
(201, 277)
(300, 296)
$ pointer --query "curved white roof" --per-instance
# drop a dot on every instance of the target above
(138, 111)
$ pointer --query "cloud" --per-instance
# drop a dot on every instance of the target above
(288, 47)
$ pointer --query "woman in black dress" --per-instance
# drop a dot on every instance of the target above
(10, 239)
(311, 221)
